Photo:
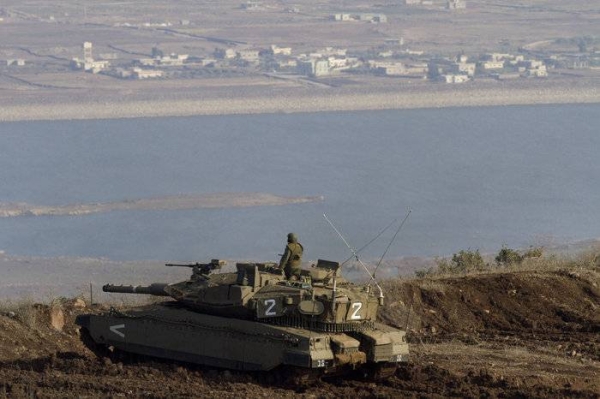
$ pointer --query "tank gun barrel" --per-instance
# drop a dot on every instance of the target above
(183, 264)
(201, 268)
(156, 289)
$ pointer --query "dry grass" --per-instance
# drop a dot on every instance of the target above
(22, 309)
(433, 285)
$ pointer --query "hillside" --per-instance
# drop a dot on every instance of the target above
(502, 334)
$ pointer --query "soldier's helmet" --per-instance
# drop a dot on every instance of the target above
(292, 237)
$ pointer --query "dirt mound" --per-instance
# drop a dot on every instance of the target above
(512, 335)
(29, 331)
(533, 302)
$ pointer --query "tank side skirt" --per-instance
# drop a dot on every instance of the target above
(281, 336)
(284, 346)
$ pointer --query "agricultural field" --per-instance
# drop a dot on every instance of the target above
(40, 40)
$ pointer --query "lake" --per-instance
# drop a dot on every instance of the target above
(475, 178)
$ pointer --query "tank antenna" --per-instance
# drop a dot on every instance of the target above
(391, 241)
(355, 255)
(370, 242)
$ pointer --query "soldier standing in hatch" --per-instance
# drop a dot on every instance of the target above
(291, 260)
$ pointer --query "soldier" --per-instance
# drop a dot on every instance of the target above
(292, 258)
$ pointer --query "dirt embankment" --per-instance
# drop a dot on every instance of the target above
(511, 335)
(263, 95)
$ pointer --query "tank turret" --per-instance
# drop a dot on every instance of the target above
(255, 319)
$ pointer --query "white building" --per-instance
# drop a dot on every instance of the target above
(539, 72)
(466, 68)
(456, 5)
(15, 62)
(225, 53)
(88, 63)
(140, 73)
(452, 78)
(249, 55)
(313, 67)
(490, 65)
(281, 50)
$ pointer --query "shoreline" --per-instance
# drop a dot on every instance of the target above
(180, 202)
(333, 99)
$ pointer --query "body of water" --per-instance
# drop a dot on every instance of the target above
(475, 178)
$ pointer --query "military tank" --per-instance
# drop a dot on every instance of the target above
(255, 319)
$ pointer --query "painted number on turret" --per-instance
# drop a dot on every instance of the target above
(356, 306)
(268, 308)
(270, 304)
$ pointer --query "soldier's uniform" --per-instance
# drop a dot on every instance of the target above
(291, 261)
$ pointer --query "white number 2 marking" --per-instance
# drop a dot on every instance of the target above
(270, 304)
(356, 307)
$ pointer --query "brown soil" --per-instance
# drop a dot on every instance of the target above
(510, 335)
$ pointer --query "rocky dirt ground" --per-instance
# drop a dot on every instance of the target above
(509, 335)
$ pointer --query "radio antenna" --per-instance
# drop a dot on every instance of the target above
(391, 241)
(355, 256)
(371, 242)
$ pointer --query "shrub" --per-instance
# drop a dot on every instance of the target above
(508, 256)
(534, 252)
(444, 266)
(424, 273)
(468, 261)
(462, 262)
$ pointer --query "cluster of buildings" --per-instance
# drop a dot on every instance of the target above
(366, 17)
(450, 4)
(499, 66)
(15, 62)
(391, 60)
(87, 63)
(382, 18)
(414, 64)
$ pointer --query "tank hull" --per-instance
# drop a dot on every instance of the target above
(175, 333)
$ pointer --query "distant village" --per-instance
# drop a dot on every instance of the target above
(392, 58)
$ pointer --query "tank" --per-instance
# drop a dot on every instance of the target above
(254, 319)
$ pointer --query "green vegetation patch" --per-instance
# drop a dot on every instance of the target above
(471, 261)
